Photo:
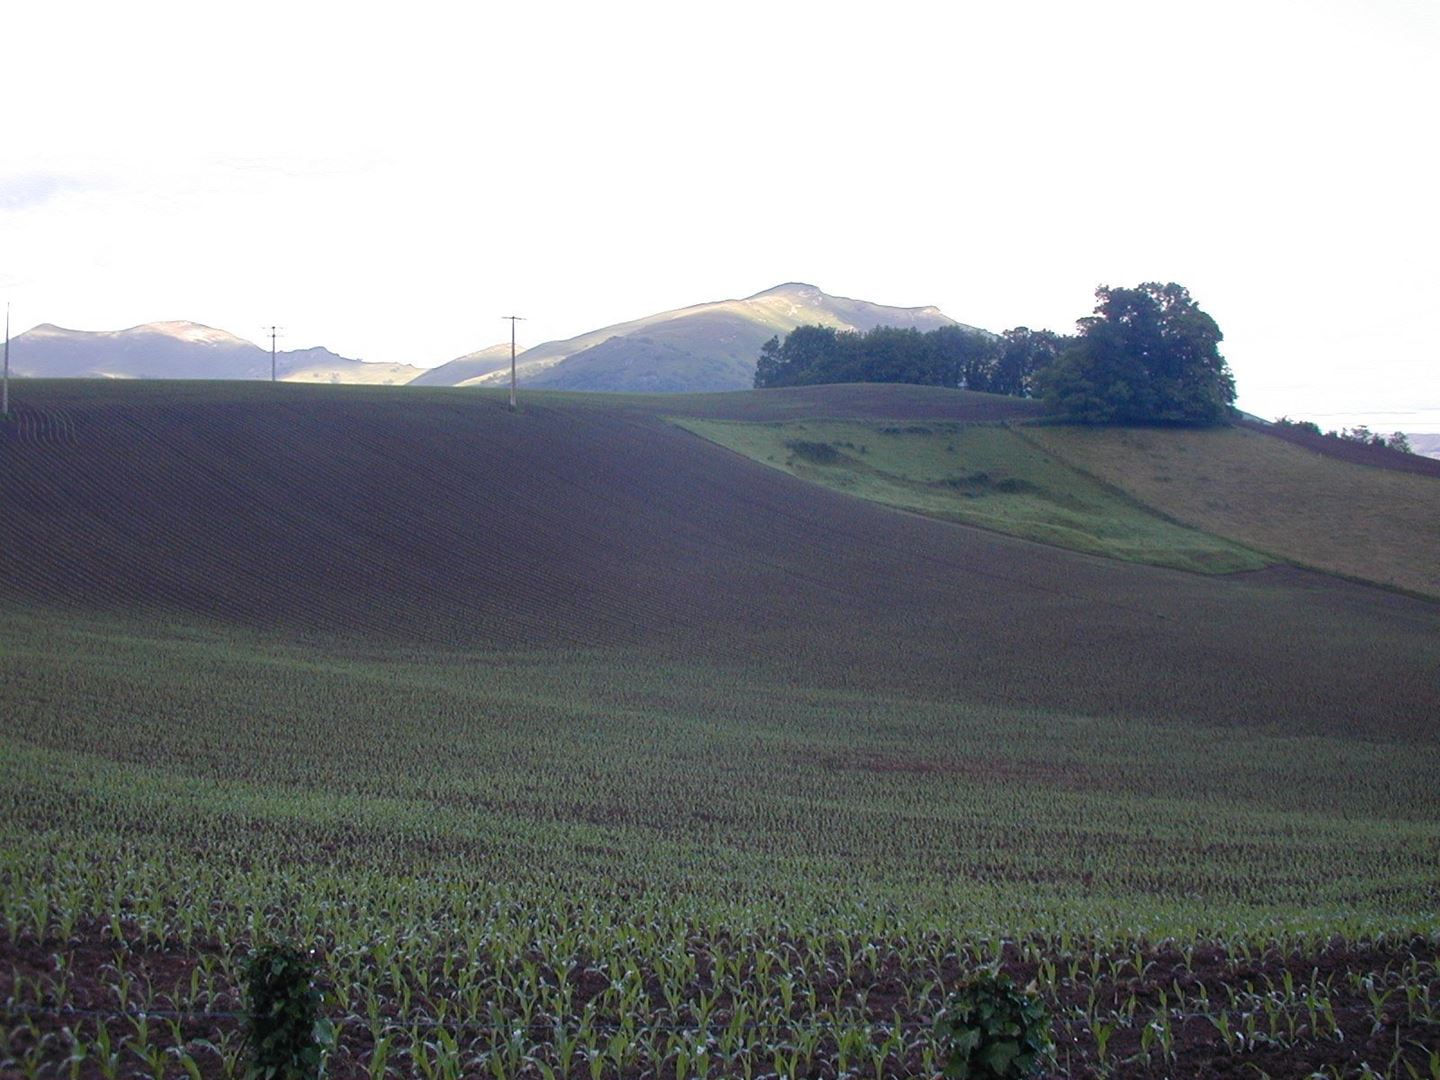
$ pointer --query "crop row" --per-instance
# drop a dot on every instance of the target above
(582, 990)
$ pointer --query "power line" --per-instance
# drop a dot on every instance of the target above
(513, 320)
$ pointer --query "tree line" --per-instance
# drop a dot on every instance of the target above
(947, 356)
(1146, 355)
(1361, 434)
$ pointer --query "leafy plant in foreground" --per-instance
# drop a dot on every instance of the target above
(289, 1039)
(993, 1029)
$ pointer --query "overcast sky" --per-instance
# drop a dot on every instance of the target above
(388, 182)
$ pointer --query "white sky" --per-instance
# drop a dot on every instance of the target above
(389, 181)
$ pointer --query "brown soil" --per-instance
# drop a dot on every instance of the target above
(1133, 987)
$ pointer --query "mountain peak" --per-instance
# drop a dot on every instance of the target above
(194, 333)
(789, 288)
(703, 347)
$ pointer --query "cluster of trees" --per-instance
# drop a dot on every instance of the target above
(1396, 440)
(947, 356)
(1147, 355)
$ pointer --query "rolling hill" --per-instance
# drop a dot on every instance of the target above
(445, 521)
(529, 728)
(707, 347)
(182, 350)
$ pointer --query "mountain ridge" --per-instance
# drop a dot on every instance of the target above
(704, 347)
(182, 349)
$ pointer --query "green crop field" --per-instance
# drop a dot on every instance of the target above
(576, 745)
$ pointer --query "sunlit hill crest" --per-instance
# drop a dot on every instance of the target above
(711, 346)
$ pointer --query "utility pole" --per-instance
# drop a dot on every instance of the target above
(5, 392)
(513, 320)
(272, 331)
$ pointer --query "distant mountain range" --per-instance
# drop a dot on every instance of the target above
(183, 350)
(705, 347)
(1429, 445)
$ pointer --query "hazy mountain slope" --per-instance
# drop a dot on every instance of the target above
(1429, 445)
(707, 351)
(433, 519)
(706, 347)
(322, 365)
(163, 350)
(182, 350)
(467, 367)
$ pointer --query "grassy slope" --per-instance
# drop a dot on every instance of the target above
(979, 475)
(1373, 524)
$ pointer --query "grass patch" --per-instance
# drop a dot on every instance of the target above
(1372, 524)
(981, 475)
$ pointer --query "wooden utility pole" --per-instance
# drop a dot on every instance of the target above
(513, 320)
(272, 331)
(5, 385)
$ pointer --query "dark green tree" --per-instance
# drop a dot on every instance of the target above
(962, 358)
(947, 356)
(1147, 355)
(809, 354)
(770, 368)
(1023, 353)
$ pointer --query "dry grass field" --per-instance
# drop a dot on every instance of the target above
(1373, 524)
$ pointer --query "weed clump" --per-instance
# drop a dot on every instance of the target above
(993, 1030)
(818, 453)
(288, 1038)
(982, 483)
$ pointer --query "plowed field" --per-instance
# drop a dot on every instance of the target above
(441, 519)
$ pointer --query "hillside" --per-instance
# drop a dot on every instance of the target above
(443, 520)
(465, 368)
(707, 347)
(1275, 495)
(1358, 453)
(532, 728)
(182, 350)
(988, 475)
